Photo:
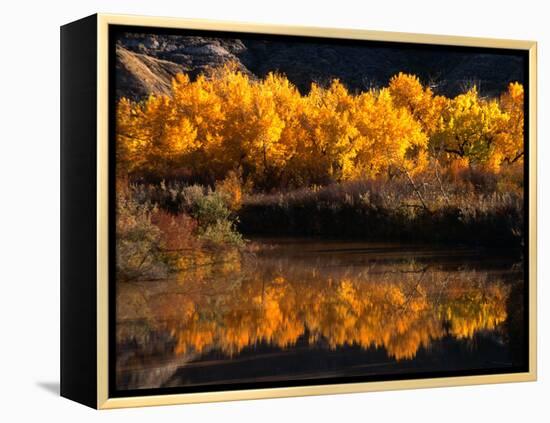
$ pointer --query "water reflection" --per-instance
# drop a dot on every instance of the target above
(316, 296)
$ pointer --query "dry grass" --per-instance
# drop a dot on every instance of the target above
(466, 212)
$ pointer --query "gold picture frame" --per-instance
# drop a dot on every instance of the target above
(101, 314)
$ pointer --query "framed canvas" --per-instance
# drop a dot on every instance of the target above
(252, 211)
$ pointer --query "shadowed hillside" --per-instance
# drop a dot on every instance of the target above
(147, 63)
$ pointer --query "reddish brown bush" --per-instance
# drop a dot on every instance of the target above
(178, 232)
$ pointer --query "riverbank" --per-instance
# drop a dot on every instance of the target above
(372, 212)
(167, 227)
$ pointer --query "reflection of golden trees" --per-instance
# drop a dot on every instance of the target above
(400, 308)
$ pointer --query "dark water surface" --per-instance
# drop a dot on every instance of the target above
(294, 309)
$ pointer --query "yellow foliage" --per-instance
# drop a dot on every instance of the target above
(400, 313)
(232, 188)
(271, 135)
(470, 128)
(407, 91)
(389, 137)
(510, 141)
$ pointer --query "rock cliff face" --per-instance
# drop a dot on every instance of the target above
(139, 74)
(146, 63)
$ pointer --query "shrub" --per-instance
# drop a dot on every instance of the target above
(189, 196)
(233, 189)
(138, 241)
(216, 223)
(178, 232)
(210, 209)
(221, 233)
(153, 240)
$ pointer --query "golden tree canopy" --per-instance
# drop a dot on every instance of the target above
(268, 132)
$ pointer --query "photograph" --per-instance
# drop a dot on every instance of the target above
(293, 210)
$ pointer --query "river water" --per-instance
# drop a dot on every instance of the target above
(306, 310)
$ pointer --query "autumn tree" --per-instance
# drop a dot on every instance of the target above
(267, 132)
(151, 137)
(510, 142)
(330, 137)
(288, 163)
(389, 137)
(407, 91)
(470, 128)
